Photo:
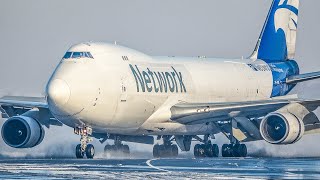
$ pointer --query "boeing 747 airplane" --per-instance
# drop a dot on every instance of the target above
(107, 91)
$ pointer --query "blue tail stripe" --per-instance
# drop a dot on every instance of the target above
(273, 45)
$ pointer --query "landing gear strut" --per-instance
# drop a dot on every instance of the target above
(167, 149)
(84, 148)
(207, 149)
(117, 148)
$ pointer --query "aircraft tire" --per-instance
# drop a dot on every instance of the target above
(166, 151)
(239, 150)
(202, 150)
(79, 153)
(174, 150)
(199, 150)
(90, 151)
(156, 149)
(196, 152)
(107, 148)
(211, 150)
(226, 150)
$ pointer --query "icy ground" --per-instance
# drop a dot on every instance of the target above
(218, 168)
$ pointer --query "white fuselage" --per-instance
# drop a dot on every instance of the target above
(124, 91)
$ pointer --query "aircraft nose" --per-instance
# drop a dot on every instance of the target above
(58, 92)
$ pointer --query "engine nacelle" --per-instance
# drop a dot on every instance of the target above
(281, 128)
(22, 132)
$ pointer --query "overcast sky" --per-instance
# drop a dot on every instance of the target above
(34, 35)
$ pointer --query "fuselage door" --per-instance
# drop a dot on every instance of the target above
(123, 96)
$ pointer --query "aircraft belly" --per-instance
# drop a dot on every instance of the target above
(173, 128)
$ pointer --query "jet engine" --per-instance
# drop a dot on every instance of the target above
(281, 128)
(22, 132)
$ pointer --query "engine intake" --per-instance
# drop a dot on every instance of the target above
(281, 128)
(22, 132)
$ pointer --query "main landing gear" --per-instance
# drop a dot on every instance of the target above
(234, 150)
(118, 148)
(84, 148)
(207, 149)
(227, 150)
(165, 150)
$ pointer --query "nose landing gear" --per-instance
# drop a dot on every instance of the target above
(84, 148)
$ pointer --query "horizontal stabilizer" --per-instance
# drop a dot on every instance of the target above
(303, 77)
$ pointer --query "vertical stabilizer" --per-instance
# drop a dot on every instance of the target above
(277, 41)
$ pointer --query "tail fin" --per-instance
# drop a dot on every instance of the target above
(277, 41)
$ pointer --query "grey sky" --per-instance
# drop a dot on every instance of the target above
(34, 35)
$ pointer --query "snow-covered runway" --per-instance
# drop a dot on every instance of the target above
(218, 168)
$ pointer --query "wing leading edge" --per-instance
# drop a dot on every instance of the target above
(26, 102)
(36, 107)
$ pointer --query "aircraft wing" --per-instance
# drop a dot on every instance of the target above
(27, 102)
(188, 113)
(242, 112)
(18, 105)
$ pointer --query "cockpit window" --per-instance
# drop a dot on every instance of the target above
(77, 55)
(90, 55)
(67, 55)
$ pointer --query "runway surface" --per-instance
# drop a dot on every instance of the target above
(217, 168)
